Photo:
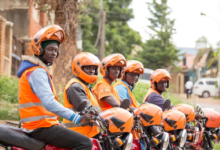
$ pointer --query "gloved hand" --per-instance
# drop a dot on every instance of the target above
(87, 118)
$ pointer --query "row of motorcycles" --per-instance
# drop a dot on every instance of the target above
(179, 127)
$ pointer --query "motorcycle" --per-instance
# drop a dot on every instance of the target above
(194, 135)
(210, 120)
(174, 123)
(116, 125)
(14, 138)
(148, 120)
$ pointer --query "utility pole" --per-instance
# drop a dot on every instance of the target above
(101, 32)
(102, 38)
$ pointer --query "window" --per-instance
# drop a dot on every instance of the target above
(210, 82)
(200, 82)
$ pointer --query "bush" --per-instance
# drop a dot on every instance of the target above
(9, 89)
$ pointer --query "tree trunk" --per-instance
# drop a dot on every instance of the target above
(66, 15)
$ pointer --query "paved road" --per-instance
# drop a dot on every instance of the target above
(204, 102)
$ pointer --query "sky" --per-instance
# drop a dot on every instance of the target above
(189, 24)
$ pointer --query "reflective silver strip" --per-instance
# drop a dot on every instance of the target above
(70, 125)
(36, 118)
(31, 104)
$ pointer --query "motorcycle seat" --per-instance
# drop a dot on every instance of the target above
(16, 137)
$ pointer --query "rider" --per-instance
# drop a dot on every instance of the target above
(159, 81)
(130, 75)
(85, 70)
(111, 67)
(39, 108)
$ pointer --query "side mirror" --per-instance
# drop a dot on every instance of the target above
(81, 106)
(167, 104)
(125, 103)
(198, 108)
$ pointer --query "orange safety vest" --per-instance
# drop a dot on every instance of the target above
(32, 112)
(103, 104)
(149, 92)
(134, 102)
(86, 130)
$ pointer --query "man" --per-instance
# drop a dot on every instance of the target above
(130, 76)
(111, 67)
(189, 86)
(85, 70)
(159, 81)
(39, 108)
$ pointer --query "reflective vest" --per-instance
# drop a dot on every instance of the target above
(150, 90)
(32, 112)
(133, 100)
(86, 130)
(103, 104)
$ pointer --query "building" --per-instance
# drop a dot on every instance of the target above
(24, 21)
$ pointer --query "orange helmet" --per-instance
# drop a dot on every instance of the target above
(112, 60)
(158, 75)
(213, 119)
(133, 66)
(52, 32)
(187, 110)
(149, 114)
(118, 119)
(85, 59)
(174, 120)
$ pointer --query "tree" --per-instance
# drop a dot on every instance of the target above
(66, 15)
(159, 52)
(120, 38)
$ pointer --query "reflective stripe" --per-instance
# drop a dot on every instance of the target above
(36, 118)
(31, 104)
(69, 125)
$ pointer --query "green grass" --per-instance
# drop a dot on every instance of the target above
(217, 146)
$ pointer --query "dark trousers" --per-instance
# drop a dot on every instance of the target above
(188, 93)
(62, 137)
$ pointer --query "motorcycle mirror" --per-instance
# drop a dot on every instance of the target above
(81, 106)
(167, 104)
(198, 108)
(125, 103)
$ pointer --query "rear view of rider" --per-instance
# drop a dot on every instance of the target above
(39, 107)
(130, 75)
(85, 70)
(159, 81)
(111, 67)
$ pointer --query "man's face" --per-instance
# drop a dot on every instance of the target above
(114, 71)
(50, 52)
(90, 70)
(131, 78)
(162, 85)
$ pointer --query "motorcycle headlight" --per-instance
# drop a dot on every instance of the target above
(196, 138)
(129, 142)
(182, 138)
(165, 141)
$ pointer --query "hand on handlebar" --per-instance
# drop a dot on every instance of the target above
(87, 118)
